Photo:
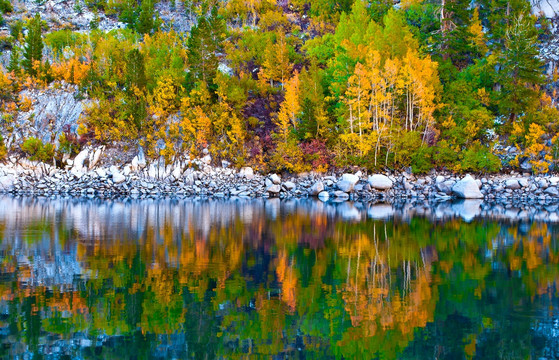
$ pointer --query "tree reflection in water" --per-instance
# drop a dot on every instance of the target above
(239, 278)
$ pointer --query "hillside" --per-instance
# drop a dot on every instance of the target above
(284, 86)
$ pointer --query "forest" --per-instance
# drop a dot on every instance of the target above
(294, 86)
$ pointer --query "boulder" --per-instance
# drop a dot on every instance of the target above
(95, 157)
(512, 184)
(118, 177)
(552, 190)
(7, 181)
(247, 173)
(79, 160)
(207, 159)
(274, 189)
(351, 178)
(275, 179)
(289, 185)
(380, 182)
(345, 186)
(317, 188)
(467, 188)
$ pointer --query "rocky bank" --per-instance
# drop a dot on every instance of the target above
(89, 174)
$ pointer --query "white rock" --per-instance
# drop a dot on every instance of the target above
(274, 189)
(275, 179)
(380, 182)
(439, 179)
(351, 178)
(289, 185)
(345, 186)
(467, 188)
(512, 184)
(317, 188)
(207, 159)
(247, 173)
(95, 157)
(118, 177)
(177, 172)
(79, 160)
(7, 181)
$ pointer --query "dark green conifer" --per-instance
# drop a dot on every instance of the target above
(33, 49)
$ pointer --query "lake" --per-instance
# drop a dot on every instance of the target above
(271, 279)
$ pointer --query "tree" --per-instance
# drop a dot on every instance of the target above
(520, 68)
(14, 60)
(33, 49)
(145, 22)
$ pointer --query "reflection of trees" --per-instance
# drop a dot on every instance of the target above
(272, 285)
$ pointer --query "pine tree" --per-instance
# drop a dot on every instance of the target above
(14, 60)
(205, 41)
(145, 22)
(521, 68)
(135, 86)
(33, 49)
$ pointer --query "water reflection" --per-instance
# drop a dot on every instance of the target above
(276, 279)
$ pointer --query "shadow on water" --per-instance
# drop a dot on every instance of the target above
(144, 279)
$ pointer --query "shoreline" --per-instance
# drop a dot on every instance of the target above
(197, 178)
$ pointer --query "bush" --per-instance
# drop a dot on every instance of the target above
(37, 150)
(478, 158)
(421, 160)
(5, 6)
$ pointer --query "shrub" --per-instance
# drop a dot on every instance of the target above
(421, 160)
(37, 150)
(479, 158)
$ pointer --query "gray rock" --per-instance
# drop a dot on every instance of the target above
(275, 179)
(345, 186)
(247, 173)
(523, 182)
(289, 185)
(118, 177)
(274, 189)
(512, 184)
(380, 182)
(467, 188)
(317, 188)
(207, 159)
(552, 190)
(79, 160)
(351, 178)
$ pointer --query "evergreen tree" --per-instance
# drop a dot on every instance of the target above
(135, 87)
(145, 22)
(204, 43)
(521, 69)
(14, 60)
(33, 49)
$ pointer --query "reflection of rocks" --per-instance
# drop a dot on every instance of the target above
(467, 209)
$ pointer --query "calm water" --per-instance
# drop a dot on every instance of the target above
(147, 279)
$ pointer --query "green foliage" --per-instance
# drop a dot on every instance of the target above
(146, 23)
(33, 49)
(37, 150)
(6, 7)
(479, 158)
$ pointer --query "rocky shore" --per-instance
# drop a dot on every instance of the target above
(87, 175)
